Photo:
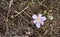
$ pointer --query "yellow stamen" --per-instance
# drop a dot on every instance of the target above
(38, 19)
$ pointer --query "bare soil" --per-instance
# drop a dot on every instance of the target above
(16, 18)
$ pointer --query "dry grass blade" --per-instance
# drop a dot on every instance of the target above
(18, 24)
(32, 1)
(11, 2)
(25, 19)
(7, 26)
(22, 17)
(27, 14)
(41, 2)
(20, 36)
(21, 11)
(13, 32)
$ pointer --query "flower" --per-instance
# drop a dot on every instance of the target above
(38, 20)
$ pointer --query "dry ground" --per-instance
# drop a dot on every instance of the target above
(16, 18)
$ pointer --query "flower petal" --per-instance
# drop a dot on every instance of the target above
(42, 22)
(43, 18)
(34, 21)
(34, 16)
(38, 25)
(40, 15)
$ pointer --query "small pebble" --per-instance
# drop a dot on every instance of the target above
(28, 33)
(12, 16)
(45, 11)
(50, 17)
(50, 10)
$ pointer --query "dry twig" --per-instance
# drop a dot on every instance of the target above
(21, 11)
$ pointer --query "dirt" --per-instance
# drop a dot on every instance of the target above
(16, 18)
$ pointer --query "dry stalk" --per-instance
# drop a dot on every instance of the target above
(21, 11)
(7, 26)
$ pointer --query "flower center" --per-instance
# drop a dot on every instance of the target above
(38, 19)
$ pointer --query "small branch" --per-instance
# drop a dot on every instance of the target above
(7, 26)
(51, 29)
(13, 32)
(22, 16)
(25, 19)
(11, 2)
(21, 11)
(46, 32)
(32, 1)
(27, 14)
(41, 2)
